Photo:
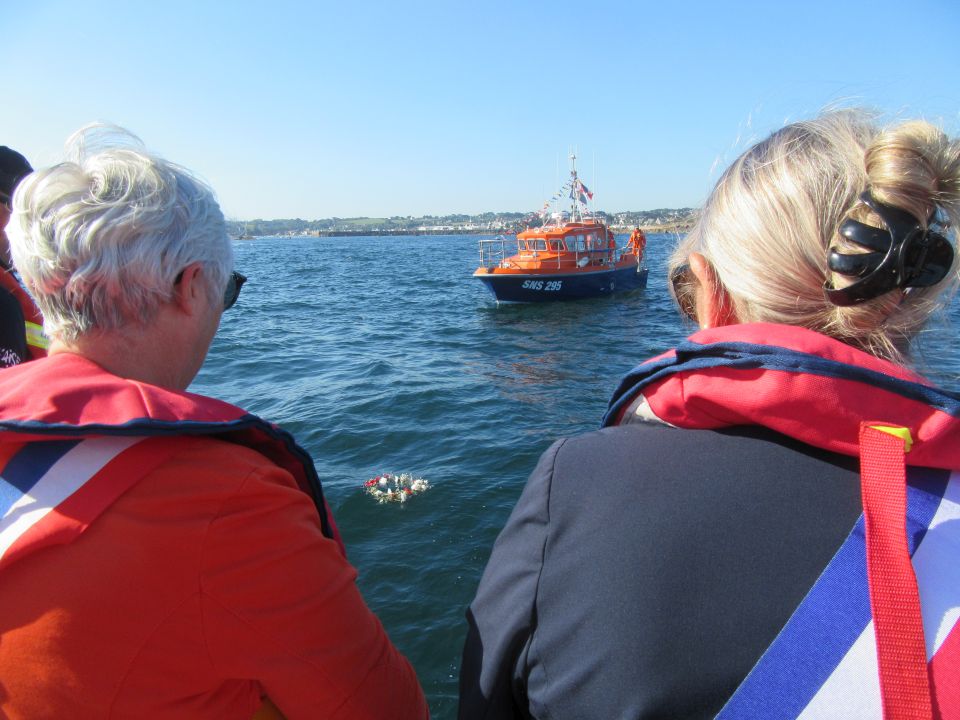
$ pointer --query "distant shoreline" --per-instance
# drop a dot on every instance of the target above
(619, 229)
(660, 220)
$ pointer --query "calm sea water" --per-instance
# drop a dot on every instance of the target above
(384, 355)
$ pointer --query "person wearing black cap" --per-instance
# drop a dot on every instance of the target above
(21, 324)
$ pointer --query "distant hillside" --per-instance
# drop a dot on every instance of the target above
(661, 219)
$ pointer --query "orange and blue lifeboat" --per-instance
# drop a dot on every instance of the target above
(572, 261)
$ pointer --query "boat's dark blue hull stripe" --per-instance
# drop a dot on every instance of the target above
(544, 288)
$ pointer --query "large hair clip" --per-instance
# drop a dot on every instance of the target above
(904, 255)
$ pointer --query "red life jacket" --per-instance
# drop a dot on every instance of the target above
(70, 450)
(37, 342)
(899, 656)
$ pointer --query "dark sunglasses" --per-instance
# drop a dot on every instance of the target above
(683, 287)
(232, 292)
(230, 295)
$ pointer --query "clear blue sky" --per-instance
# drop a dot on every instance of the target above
(317, 109)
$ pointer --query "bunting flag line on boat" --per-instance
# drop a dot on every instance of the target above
(573, 189)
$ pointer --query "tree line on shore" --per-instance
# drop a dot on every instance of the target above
(667, 219)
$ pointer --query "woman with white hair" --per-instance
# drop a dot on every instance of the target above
(162, 554)
(767, 525)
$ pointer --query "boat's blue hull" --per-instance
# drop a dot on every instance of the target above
(574, 286)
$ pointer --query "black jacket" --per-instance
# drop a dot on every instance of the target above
(13, 338)
(645, 570)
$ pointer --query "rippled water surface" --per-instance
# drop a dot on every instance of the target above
(383, 354)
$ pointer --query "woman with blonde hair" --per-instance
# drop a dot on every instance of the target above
(766, 526)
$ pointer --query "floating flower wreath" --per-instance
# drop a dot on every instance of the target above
(395, 488)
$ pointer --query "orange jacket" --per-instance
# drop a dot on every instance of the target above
(638, 242)
(203, 588)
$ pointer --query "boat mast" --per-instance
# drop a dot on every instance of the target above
(575, 213)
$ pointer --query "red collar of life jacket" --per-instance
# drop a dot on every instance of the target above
(835, 397)
(67, 397)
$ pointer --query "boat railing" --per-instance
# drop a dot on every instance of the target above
(581, 258)
(606, 256)
(493, 252)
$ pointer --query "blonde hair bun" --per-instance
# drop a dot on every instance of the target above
(770, 224)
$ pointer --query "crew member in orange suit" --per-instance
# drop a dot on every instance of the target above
(637, 243)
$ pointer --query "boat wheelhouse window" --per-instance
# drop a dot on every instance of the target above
(555, 244)
(575, 242)
(541, 244)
